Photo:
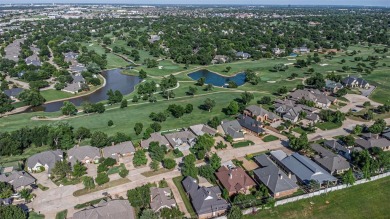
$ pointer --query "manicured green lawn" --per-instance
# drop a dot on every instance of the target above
(269, 138)
(367, 200)
(242, 144)
(102, 187)
(187, 203)
(50, 95)
(328, 125)
(116, 169)
(34, 215)
(87, 204)
(62, 214)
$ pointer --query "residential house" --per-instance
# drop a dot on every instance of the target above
(219, 59)
(206, 201)
(154, 137)
(302, 167)
(202, 129)
(278, 51)
(260, 114)
(154, 38)
(233, 129)
(161, 198)
(289, 110)
(111, 209)
(386, 135)
(243, 55)
(182, 140)
(332, 86)
(250, 124)
(373, 141)
(70, 56)
(352, 81)
(83, 154)
(319, 98)
(119, 150)
(277, 182)
(18, 179)
(333, 163)
(339, 148)
(76, 85)
(46, 160)
(301, 50)
(235, 180)
(34, 59)
(13, 93)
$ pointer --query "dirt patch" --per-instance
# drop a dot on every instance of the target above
(248, 165)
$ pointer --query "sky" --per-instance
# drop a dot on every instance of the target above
(241, 2)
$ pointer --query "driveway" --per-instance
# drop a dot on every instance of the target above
(367, 92)
(92, 169)
(356, 101)
(43, 179)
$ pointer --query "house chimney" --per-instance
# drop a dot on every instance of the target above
(112, 143)
(280, 176)
(230, 176)
(289, 175)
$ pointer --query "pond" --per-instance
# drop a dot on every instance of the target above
(115, 80)
(217, 79)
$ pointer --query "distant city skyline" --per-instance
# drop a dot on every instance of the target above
(211, 2)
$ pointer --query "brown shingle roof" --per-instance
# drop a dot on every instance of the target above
(235, 179)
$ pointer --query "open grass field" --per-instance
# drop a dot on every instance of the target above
(367, 200)
(50, 95)
(124, 119)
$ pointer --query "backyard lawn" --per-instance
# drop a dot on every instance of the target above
(34, 215)
(51, 94)
(368, 200)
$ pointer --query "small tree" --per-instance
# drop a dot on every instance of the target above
(209, 104)
(349, 178)
(123, 103)
(138, 128)
(88, 182)
(68, 109)
(169, 163)
(123, 173)
(110, 123)
(139, 158)
(215, 161)
(79, 169)
(234, 213)
(154, 165)
(102, 178)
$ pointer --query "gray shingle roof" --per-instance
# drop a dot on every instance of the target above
(204, 200)
(258, 111)
(232, 128)
(183, 139)
(380, 142)
(154, 137)
(202, 129)
(161, 198)
(80, 153)
(330, 161)
(107, 210)
(303, 168)
(118, 149)
(271, 176)
(18, 179)
(250, 124)
(48, 158)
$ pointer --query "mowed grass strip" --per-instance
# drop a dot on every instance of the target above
(186, 200)
(110, 184)
(369, 200)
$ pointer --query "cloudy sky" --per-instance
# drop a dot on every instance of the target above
(251, 2)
